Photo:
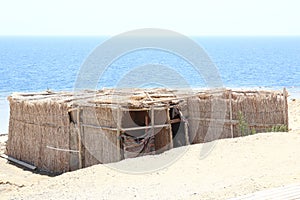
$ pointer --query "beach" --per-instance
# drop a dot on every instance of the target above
(234, 167)
(4, 116)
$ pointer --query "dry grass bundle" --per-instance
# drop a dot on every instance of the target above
(35, 125)
(223, 115)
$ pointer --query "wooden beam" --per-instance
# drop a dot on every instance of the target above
(144, 127)
(285, 108)
(186, 133)
(149, 97)
(153, 124)
(234, 122)
(125, 129)
(230, 112)
(60, 149)
(171, 145)
(99, 127)
(119, 121)
(79, 139)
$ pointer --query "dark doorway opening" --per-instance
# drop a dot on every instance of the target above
(137, 142)
(178, 127)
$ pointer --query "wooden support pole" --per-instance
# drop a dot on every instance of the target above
(146, 122)
(152, 121)
(186, 133)
(230, 113)
(285, 108)
(170, 128)
(123, 129)
(188, 101)
(144, 127)
(79, 139)
(99, 127)
(119, 121)
(152, 126)
(147, 94)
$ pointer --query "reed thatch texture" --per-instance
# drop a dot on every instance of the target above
(73, 145)
(35, 126)
(216, 115)
(206, 114)
(100, 145)
(261, 110)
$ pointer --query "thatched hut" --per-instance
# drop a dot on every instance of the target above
(64, 131)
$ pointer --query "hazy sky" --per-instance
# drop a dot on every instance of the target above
(190, 17)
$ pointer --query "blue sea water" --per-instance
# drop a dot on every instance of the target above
(41, 63)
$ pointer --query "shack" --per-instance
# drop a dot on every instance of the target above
(64, 131)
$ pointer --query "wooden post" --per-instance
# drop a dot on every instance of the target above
(186, 132)
(152, 127)
(170, 128)
(146, 122)
(79, 139)
(230, 113)
(119, 155)
(285, 108)
(191, 134)
(187, 123)
(152, 121)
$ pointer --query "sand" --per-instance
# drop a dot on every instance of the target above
(4, 115)
(234, 167)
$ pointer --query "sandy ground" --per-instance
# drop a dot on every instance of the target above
(234, 167)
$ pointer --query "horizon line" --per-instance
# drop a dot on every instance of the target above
(104, 35)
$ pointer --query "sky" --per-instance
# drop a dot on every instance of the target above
(189, 17)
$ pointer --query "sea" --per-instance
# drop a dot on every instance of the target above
(53, 63)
